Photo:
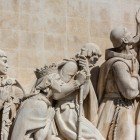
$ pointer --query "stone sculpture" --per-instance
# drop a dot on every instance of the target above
(137, 48)
(11, 93)
(61, 83)
(37, 110)
(118, 87)
(68, 106)
(62, 104)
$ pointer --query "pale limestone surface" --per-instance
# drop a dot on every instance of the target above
(38, 26)
(38, 32)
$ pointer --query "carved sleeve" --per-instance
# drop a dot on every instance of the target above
(63, 89)
(127, 85)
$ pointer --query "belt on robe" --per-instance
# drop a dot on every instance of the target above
(119, 100)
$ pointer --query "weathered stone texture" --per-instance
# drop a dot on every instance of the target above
(38, 32)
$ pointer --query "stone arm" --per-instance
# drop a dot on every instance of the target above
(126, 83)
(62, 90)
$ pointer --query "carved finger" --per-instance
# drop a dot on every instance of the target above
(82, 56)
(82, 63)
(82, 59)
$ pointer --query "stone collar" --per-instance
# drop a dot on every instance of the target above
(110, 53)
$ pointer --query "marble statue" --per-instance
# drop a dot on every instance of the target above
(74, 111)
(71, 124)
(63, 105)
(36, 114)
(11, 94)
(118, 87)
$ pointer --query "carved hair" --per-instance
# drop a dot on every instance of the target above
(90, 49)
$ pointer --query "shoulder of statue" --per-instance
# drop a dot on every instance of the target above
(119, 65)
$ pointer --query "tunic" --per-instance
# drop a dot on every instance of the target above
(67, 111)
(117, 91)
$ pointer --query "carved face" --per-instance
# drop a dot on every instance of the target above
(3, 65)
(128, 36)
(92, 52)
(121, 35)
(68, 71)
(91, 55)
(93, 59)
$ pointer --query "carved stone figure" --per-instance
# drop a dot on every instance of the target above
(36, 113)
(118, 87)
(76, 110)
(10, 94)
(62, 84)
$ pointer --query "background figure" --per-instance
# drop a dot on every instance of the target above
(10, 94)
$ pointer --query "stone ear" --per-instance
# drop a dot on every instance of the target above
(125, 40)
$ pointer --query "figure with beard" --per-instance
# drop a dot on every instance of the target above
(118, 87)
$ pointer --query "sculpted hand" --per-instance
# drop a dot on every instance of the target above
(81, 77)
(83, 62)
(138, 16)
